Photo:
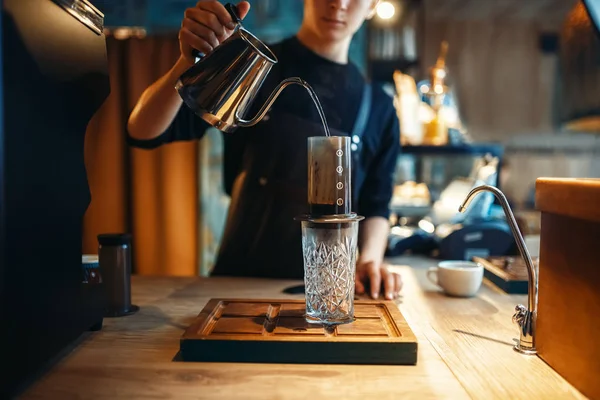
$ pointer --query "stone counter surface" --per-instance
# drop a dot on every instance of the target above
(465, 351)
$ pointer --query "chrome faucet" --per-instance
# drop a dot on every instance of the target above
(524, 317)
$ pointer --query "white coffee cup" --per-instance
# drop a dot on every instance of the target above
(457, 278)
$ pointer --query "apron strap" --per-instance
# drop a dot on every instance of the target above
(358, 131)
(288, 190)
(363, 114)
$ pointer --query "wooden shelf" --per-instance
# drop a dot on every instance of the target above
(474, 148)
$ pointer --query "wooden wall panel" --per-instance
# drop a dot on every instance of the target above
(549, 12)
(504, 82)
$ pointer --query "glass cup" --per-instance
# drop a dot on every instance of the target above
(329, 250)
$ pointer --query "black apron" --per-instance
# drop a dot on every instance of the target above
(261, 237)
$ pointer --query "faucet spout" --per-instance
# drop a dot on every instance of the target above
(525, 317)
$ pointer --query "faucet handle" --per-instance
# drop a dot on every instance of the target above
(520, 315)
(526, 321)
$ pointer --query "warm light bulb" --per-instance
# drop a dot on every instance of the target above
(385, 10)
(427, 226)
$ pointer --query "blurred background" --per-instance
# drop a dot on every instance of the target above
(475, 83)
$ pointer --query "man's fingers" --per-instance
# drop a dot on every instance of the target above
(359, 287)
(374, 280)
(389, 283)
(206, 18)
(194, 41)
(399, 283)
(201, 31)
(219, 12)
(243, 7)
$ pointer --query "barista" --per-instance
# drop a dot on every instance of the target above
(265, 165)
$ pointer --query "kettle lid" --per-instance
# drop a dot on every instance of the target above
(258, 46)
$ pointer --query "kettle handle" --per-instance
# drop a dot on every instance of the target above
(272, 97)
(197, 54)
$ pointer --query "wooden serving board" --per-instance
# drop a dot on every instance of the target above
(275, 331)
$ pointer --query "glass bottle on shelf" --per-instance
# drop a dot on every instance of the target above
(436, 129)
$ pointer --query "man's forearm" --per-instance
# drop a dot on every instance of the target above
(157, 106)
(373, 239)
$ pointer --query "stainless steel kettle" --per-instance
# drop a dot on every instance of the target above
(222, 85)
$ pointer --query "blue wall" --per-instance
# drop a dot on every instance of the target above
(271, 20)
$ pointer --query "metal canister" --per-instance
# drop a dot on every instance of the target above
(114, 254)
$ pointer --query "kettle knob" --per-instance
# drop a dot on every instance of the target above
(232, 10)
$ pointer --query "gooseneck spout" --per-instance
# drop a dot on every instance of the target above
(274, 94)
(524, 317)
(272, 97)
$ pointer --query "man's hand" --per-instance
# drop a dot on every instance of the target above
(372, 275)
(205, 26)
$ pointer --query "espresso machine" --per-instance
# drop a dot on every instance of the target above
(440, 230)
(54, 78)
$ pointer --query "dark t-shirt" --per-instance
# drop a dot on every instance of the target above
(339, 88)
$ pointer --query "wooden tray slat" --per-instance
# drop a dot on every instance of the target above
(240, 330)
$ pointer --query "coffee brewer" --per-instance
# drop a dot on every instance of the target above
(329, 232)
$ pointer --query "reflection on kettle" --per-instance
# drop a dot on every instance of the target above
(222, 85)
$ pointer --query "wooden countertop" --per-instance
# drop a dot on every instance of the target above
(465, 351)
